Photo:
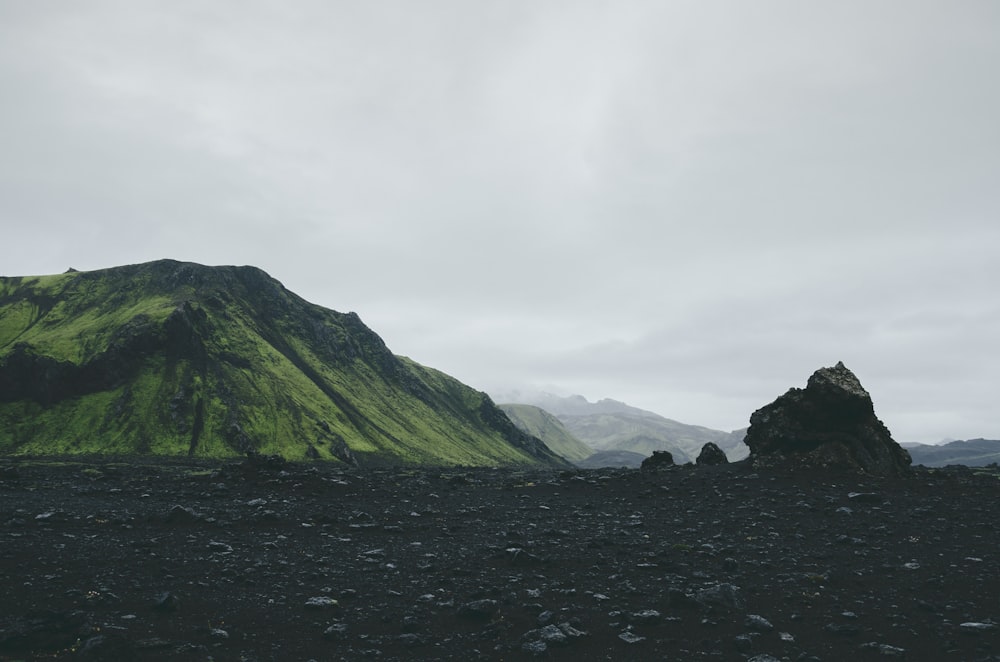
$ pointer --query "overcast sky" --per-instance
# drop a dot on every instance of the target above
(687, 206)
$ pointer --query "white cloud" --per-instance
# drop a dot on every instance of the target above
(689, 206)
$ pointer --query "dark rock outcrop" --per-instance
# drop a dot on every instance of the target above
(831, 424)
(711, 454)
(658, 461)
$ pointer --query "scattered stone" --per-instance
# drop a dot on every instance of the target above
(646, 617)
(725, 596)
(182, 515)
(776, 535)
(320, 602)
(571, 631)
(166, 601)
(630, 637)
(106, 647)
(335, 632)
(535, 647)
(518, 556)
(758, 623)
(885, 650)
(410, 639)
(479, 610)
(552, 636)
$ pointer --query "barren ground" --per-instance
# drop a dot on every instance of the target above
(269, 561)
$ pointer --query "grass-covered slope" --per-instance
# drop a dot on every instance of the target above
(174, 358)
(540, 423)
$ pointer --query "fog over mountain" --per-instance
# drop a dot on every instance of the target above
(611, 426)
(684, 206)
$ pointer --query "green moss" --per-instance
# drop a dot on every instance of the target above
(15, 319)
(250, 364)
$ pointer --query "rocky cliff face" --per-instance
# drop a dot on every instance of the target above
(830, 424)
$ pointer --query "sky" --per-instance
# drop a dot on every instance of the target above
(688, 206)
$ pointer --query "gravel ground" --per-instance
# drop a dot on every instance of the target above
(266, 560)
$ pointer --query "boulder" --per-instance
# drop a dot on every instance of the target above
(657, 461)
(831, 424)
(711, 454)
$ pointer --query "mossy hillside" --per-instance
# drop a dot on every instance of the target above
(540, 423)
(174, 358)
(73, 317)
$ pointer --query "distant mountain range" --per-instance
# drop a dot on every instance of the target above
(175, 358)
(623, 459)
(609, 425)
(973, 453)
(540, 423)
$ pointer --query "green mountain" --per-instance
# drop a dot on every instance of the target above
(172, 358)
(609, 425)
(540, 423)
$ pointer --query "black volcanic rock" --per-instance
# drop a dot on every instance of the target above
(711, 454)
(657, 461)
(829, 424)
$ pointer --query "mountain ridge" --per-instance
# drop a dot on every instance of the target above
(611, 425)
(547, 427)
(970, 452)
(176, 358)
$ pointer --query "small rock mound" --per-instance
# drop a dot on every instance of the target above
(831, 424)
(711, 454)
(658, 461)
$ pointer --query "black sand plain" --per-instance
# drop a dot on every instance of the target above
(266, 560)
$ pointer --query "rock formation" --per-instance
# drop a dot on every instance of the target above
(711, 454)
(829, 424)
(658, 461)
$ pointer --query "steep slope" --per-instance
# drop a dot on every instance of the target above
(177, 358)
(611, 425)
(972, 453)
(540, 423)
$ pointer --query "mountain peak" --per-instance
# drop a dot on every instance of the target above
(179, 358)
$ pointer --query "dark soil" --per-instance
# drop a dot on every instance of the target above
(271, 561)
